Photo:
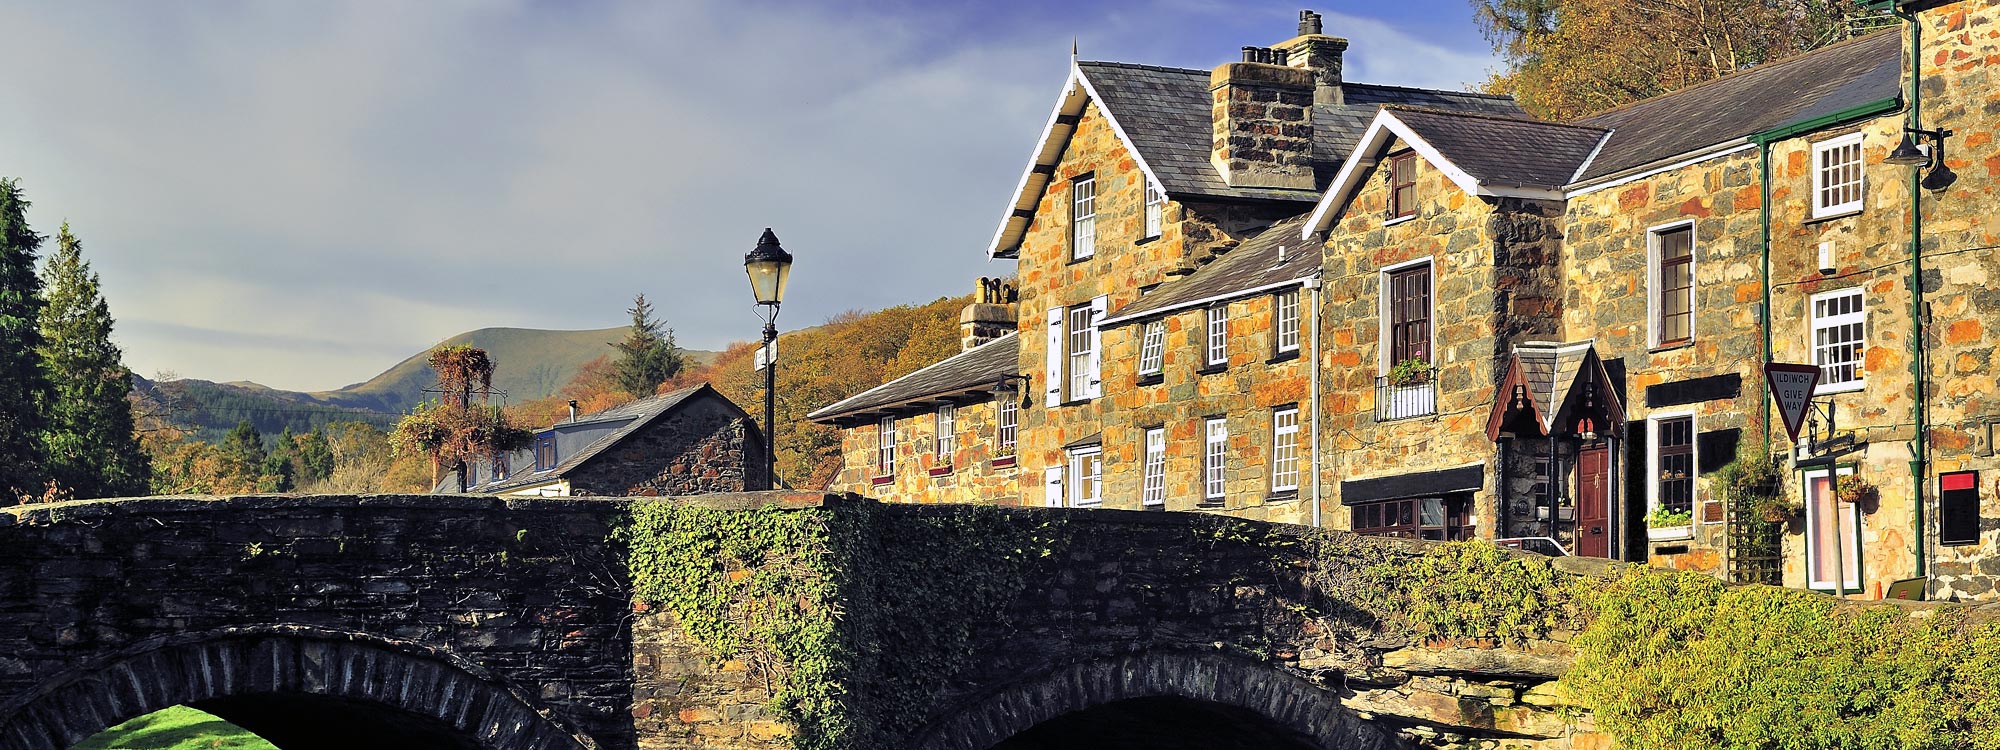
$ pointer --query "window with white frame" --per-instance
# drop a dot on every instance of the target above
(1083, 217)
(1153, 347)
(1214, 458)
(1074, 347)
(1672, 272)
(1288, 321)
(1156, 204)
(1082, 351)
(1086, 477)
(1153, 489)
(947, 433)
(1837, 180)
(1673, 465)
(1009, 419)
(1285, 450)
(1216, 350)
(1839, 320)
(885, 447)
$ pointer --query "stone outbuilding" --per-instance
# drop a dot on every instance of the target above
(692, 441)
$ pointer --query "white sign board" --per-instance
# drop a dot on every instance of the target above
(766, 353)
(1792, 388)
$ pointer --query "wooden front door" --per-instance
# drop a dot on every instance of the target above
(1593, 502)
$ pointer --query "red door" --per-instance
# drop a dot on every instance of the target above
(1593, 502)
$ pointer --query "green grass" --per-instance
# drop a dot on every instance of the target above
(176, 728)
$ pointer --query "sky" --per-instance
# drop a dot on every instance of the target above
(302, 194)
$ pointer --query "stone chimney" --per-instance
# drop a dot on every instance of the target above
(990, 316)
(1315, 51)
(1262, 110)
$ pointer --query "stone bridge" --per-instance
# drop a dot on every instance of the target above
(765, 620)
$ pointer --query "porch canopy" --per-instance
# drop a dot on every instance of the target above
(1555, 389)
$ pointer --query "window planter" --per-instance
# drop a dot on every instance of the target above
(1670, 533)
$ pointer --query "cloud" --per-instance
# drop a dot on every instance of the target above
(304, 193)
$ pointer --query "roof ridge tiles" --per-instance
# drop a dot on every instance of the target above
(1757, 70)
(1524, 119)
(1143, 66)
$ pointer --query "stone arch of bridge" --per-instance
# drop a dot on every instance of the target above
(1190, 699)
(300, 688)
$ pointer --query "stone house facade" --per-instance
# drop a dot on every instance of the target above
(693, 441)
(1551, 333)
(943, 434)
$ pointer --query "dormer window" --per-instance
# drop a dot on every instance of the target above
(1403, 185)
(545, 451)
(1083, 217)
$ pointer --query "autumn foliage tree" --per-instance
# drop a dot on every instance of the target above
(817, 366)
(462, 425)
(1567, 59)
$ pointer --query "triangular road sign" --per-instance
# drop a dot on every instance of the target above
(1792, 387)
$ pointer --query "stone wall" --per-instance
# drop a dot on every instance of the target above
(1961, 279)
(1256, 381)
(977, 471)
(701, 447)
(528, 596)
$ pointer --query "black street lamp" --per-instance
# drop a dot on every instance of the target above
(769, 267)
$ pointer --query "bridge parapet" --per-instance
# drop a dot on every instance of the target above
(107, 607)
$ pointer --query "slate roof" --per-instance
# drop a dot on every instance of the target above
(1778, 93)
(1552, 373)
(578, 442)
(1166, 114)
(1501, 150)
(1550, 370)
(973, 371)
(1252, 266)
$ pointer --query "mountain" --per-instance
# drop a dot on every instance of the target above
(530, 364)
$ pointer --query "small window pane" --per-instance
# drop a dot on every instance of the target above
(1154, 490)
(1214, 460)
(1152, 348)
(1218, 336)
(1288, 321)
(1083, 218)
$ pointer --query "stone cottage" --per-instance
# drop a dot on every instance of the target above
(688, 442)
(1266, 291)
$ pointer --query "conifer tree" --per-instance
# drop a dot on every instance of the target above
(90, 445)
(23, 389)
(647, 356)
(242, 454)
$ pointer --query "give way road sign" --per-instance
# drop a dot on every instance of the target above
(1792, 387)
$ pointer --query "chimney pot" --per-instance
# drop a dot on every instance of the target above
(572, 411)
(1309, 23)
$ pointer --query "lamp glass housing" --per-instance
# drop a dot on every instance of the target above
(767, 279)
(769, 267)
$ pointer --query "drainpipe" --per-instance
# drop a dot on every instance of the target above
(1919, 414)
(1312, 367)
(1764, 311)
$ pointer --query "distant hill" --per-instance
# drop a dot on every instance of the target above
(531, 364)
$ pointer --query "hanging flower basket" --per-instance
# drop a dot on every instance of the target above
(1858, 492)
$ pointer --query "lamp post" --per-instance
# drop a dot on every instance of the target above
(769, 267)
